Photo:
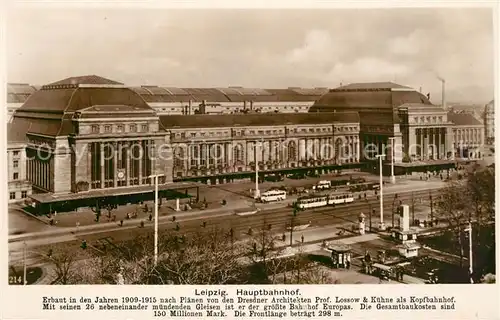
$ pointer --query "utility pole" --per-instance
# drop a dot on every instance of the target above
(155, 176)
(25, 282)
(257, 191)
(292, 224)
(393, 178)
(432, 209)
(412, 208)
(469, 228)
(381, 225)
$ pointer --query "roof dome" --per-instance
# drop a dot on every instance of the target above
(378, 95)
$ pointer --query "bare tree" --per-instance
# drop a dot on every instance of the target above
(63, 263)
(264, 252)
(454, 207)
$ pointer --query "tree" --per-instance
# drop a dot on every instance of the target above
(455, 208)
(264, 254)
(204, 258)
(63, 265)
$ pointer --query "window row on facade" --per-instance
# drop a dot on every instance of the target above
(18, 195)
(234, 154)
(118, 128)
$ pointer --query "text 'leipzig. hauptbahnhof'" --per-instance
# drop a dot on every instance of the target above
(89, 136)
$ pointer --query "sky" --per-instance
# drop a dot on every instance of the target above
(257, 48)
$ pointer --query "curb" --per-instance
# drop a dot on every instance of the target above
(33, 216)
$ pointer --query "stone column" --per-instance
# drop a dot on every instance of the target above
(128, 175)
(302, 149)
(358, 151)
(141, 155)
(115, 164)
(101, 145)
(424, 143)
(229, 155)
(89, 164)
(448, 147)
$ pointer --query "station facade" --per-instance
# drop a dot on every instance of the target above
(91, 134)
(399, 116)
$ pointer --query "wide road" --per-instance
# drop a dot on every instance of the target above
(278, 218)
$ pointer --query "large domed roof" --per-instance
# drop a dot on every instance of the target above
(378, 95)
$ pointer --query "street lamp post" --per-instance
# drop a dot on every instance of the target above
(393, 178)
(257, 191)
(469, 228)
(155, 176)
(381, 225)
(25, 282)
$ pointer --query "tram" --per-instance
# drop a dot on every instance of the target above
(324, 200)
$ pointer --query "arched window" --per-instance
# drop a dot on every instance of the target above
(238, 153)
(292, 151)
(179, 157)
(338, 149)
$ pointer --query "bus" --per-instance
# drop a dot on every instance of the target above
(273, 195)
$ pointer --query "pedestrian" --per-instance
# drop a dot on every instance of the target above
(142, 223)
(302, 238)
(283, 237)
(128, 216)
(114, 217)
(150, 217)
(173, 218)
(121, 223)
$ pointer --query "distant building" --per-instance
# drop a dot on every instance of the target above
(467, 134)
(19, 187)
(186, 101)
(489, 122)
(17, 94)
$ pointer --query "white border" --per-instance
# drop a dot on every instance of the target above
(477, 301)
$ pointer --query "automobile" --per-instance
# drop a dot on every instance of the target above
(297, 176)
(313, 174)
(274, 178)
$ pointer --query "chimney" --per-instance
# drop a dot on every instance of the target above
(443, 92)
(190, 106)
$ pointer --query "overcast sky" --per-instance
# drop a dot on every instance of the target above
(257, 48)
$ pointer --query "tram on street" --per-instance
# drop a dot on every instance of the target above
(310, 202)
(273, 195)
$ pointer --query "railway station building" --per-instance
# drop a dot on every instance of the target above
(421, 132)
(89, 137)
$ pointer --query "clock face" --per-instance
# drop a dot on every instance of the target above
(121, 174)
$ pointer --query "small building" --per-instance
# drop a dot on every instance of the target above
(406, 236)
(341, 255)
(408, 249)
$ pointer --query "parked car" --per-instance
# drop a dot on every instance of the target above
(297, 176)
